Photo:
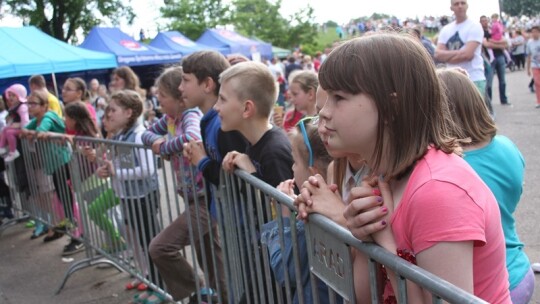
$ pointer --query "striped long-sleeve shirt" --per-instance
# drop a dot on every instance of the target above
(179, 131)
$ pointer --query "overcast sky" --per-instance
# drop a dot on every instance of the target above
(340, 11)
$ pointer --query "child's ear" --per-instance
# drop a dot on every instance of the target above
(249, 109)
(209, 85)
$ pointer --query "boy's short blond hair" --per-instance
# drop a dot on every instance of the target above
(252, 81)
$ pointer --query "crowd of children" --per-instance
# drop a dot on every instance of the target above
(375, 138)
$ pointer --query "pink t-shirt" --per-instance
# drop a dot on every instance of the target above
(497, 30)
(446, 201)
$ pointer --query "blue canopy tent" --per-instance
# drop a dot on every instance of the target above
(127, 50)
(234, 43)
(175, 41)
(27, 51)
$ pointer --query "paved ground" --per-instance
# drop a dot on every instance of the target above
(30, 271)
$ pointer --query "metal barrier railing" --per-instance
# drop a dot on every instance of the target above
(328, 252)
(248, 249)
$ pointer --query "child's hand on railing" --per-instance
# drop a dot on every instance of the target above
(28, 134)
(367, 211)
(89, 153)
(156, 145)
(194, 151)
(106, 170)
(322, 198)
(43, 135)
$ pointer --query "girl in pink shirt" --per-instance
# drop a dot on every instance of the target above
(422, 202)
(17, 118)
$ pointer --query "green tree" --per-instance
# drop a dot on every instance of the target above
(520, 7)
(193, 17)
(303, 31)
(262, 19)
(67, 16)
(331, 23)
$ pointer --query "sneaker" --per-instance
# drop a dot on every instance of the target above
(63, 226)
(12, 156)
(3, 151)
(507, 104)
(538, 106)
(73, 247)
(54, 236)
(30, 224)
(535, 267)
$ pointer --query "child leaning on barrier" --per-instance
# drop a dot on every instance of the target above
(180, 125)
(107, 199)
(200, 88)
(56, 158)
(245, 103)
(442, 217)
(134, 177)
(79, 120)
(310, 157)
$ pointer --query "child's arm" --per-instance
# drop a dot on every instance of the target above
(155, 132)
(282, 259)
(191, 124)
(227, 142)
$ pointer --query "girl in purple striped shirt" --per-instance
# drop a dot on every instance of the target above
(167, 137)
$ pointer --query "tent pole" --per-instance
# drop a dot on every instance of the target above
(55, 85)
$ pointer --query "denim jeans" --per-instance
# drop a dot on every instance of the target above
(498, 66)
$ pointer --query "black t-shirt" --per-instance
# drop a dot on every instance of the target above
(272, 157)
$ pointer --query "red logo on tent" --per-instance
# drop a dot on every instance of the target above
(182, 41)
(132, 45)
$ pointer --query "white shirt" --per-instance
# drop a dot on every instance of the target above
(455, 36)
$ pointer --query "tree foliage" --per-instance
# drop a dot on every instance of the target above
(262, 19)
(520, 7)
(193, 17)
(61, 18)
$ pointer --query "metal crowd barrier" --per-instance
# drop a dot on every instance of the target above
(268, 257)
(246, 213)
(17, 193)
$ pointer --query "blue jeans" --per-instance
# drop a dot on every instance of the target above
(498, 66)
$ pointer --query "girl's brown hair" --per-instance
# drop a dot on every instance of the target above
(42, 97)
(84, 125)
(396, 72)
(307, 81)
(129, 99)
(131, 80)
(469, 111)
(169, 81)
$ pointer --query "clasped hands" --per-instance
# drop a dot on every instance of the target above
(367, 212)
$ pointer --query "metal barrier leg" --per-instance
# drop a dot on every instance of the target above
(85, 263)
(13, 221)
